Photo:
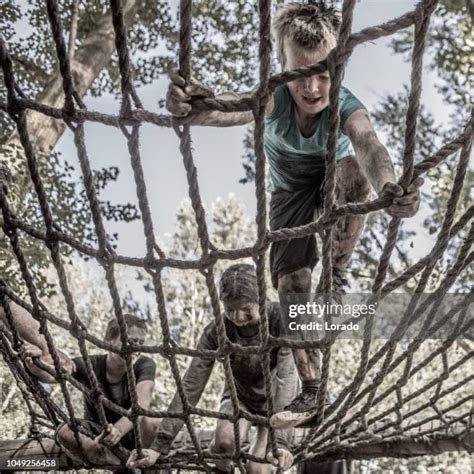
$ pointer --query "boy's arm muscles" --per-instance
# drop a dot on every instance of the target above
(181, 94)
(369, 150)
(26, 325)
(144, 394)
(33, 343)
(29, 352)
(216, 118)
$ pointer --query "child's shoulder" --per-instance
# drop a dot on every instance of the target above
(281, 100)
(274, 318)
(346, 94)
(348, 103)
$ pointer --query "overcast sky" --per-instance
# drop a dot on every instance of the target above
(372, 72)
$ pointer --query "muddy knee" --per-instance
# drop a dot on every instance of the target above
(223, 445)
(65, 436)
(353, 184)
(257, 468)
(298, 281)
(148, 428)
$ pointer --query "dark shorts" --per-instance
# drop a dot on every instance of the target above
(292, 209)
(226, 406)
(128, 440)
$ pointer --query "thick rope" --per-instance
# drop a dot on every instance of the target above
(323, 442)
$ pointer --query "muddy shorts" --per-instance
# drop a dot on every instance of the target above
(258, 408)
(227, 408)
(128, 440)
(292, 209)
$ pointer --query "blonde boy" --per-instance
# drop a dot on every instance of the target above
(295, 146)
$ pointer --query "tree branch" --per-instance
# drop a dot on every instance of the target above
(73, 29)
(91, 57)
(40, 74)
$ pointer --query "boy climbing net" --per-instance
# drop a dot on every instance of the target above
(297, 123)
(239, 296)
(320, 444)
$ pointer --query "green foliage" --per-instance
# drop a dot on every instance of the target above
(223, 48)
(224, 43)
(70, 211)
(187, 297)
(450, 49)
(189, 310)
(152, 38)
(430, 137)
(30, 43)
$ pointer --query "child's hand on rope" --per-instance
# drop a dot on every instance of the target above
(28, 352)
(283, 459)
(180, 94)
(149, 457)
(405, 203)
(110, 436)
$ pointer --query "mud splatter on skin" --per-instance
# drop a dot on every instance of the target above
(298, 281)
(307, 363)
(352, 186)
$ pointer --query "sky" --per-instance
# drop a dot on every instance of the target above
(373, 71)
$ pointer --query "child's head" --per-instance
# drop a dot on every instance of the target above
(309, 28)
(305, 34)
(239, 294)
(136, 330)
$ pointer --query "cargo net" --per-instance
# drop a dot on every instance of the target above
(385, 433)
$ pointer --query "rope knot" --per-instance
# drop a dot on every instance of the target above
(79, 332)
(60, 375)
(96, 394)
(207, 261)
(105, 259)
(69, 112)
(133, 412)
(224, 351)
(14, 108)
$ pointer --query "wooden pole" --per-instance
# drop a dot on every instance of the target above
(27, 450)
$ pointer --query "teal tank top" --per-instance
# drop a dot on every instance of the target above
(296, 162)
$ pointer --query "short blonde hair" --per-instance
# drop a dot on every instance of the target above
(309, 26)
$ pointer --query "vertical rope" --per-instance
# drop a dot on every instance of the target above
(336, 71)
(424, 11)
(64, 66)
(260, 102)
(350, 395)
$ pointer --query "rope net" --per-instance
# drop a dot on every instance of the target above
(331, 437)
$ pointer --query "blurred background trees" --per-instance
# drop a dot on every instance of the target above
(224, 56)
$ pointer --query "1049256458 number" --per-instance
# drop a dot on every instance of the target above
(26, 463)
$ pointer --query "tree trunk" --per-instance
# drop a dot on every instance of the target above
(89, 60)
